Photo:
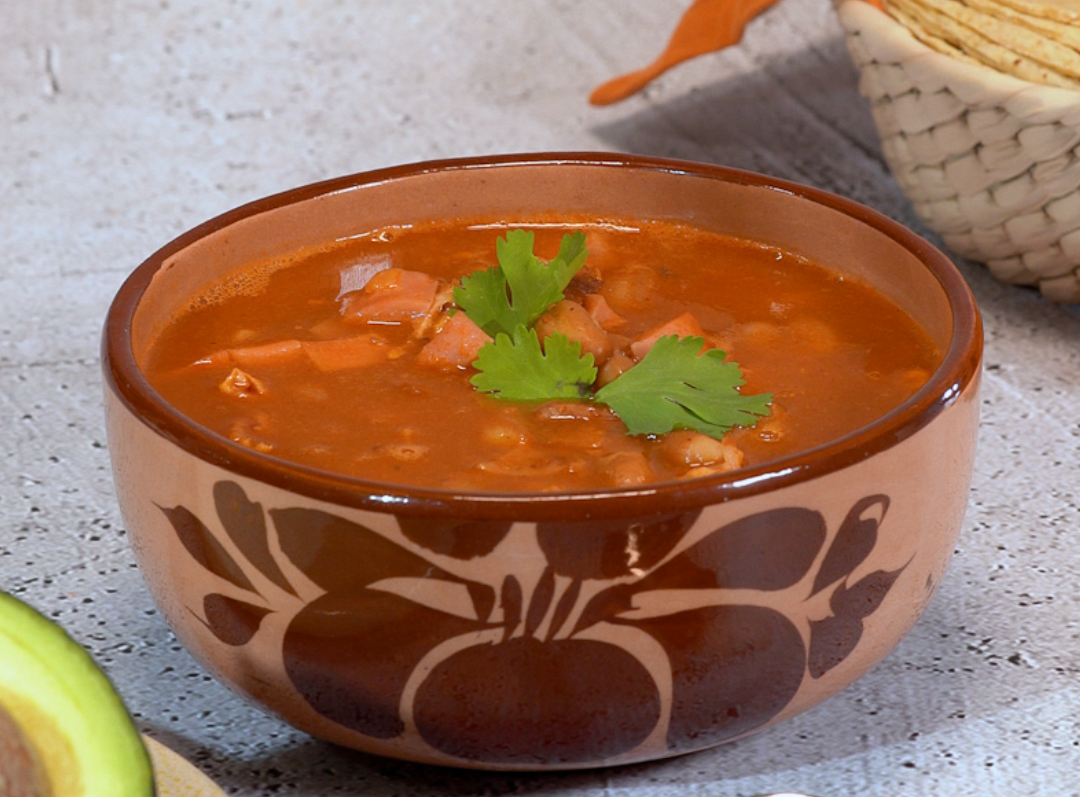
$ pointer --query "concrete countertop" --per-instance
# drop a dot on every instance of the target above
(124, 123)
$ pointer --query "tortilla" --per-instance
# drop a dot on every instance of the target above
(1011, 36)
(1007, 47)
(926, 37)
(1067, 11)
(1066, 33)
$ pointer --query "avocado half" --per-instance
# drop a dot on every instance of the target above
(64, 730)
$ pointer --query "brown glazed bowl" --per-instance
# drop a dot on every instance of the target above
(546, 631)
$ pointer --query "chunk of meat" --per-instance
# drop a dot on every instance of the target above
(614, 367)
(392, 296)
(586, 282)
(598, 307)
(685, 325)
(455, 345)
(439, 314)
(573, 320)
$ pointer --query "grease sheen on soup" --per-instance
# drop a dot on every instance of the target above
(325, 358)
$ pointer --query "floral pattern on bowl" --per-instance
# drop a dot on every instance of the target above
(732, 667)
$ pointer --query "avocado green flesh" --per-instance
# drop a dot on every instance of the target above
(70, 716)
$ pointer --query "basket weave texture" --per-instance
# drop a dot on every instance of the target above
(989, 162)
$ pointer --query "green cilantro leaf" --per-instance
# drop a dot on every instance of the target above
(677, 386)
(482, 295)
(522, 287)
(517, 368)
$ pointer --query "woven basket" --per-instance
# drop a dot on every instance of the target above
(989, 162)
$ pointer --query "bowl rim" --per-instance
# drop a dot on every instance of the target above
(960, 365)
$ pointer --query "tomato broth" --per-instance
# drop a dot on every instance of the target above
(353, 358)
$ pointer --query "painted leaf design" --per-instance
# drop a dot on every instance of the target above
(461, 539)
(511, 601)
(865, 596)
(450, 597)
(232, 621)
(564, 608)
(594, 549)
(734, 668)
(769, 550)
(606, 605)
(853, 543)
(483, 598)
(350, 654)
(833, 639)
(541, 600)
(204, 547)
(741, 555)
(342, 556)
(245, 523)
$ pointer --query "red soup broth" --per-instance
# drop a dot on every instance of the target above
(297, 359)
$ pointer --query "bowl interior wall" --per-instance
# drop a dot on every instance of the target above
(520, 194)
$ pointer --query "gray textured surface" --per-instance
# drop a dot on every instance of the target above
(124, 123)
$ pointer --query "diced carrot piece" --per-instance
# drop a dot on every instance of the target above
(455, 345)
(685, 325)
(571, 319)
(280, 351)
(345, 353)
(393, 295)
(220, 357)
(601, 311)
(326, 355)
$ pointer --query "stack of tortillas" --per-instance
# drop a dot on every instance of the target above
(1036, 41)
(977, 103)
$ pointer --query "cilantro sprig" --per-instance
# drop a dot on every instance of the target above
(517, 368)
(522, 287)
(678, 386)
(675, 386)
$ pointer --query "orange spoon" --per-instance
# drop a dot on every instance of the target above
(706, 26)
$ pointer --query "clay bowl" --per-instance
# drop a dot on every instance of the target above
(767, 590)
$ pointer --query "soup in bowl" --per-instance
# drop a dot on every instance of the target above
(544, 461)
